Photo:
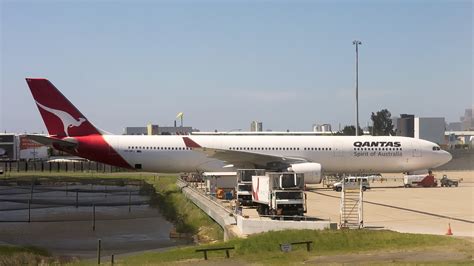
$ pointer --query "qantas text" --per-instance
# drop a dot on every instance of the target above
(377, 144)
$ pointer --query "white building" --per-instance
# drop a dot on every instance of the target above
(323, 128)
(256, 126)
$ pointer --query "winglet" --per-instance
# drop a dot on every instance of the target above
(190, 143)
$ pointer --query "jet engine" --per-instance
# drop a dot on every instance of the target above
(312, 171)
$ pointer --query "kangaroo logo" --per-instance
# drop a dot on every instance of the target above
(67, 119)
(255, 192)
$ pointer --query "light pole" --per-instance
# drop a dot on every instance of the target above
(357, 43)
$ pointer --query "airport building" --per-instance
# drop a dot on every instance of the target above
(152, 129)
(8, 147)
(17, 147)
(467, 121)
(427, 128)
(322, 128)
(405, 125)
(430, 128)
(256, 126)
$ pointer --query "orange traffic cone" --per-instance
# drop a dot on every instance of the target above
(449, 233)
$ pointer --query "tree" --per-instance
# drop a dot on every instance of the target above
(348, 131)
(382, 123)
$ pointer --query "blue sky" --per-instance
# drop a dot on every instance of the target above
(225, 63)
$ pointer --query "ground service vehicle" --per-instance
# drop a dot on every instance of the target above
(420, 181)
(446, 182)
(352, 182)
(244, 185)
(279, 194)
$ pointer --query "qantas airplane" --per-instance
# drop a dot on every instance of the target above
(70, 131)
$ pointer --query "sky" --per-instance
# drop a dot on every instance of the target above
(289, 64)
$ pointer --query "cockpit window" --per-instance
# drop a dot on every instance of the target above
(436, 148)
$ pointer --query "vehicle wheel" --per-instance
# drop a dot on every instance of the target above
(338, 189)
(265, 210)
(456, 184)
(364, 188)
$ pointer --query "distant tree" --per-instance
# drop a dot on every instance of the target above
(349, 131)
(382, 123)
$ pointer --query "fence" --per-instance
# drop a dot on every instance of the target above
(38, 200)
(45, 166)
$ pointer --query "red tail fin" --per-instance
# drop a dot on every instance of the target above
(61, 117)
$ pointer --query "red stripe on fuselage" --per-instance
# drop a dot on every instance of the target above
(95, 148)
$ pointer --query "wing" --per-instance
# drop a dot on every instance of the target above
(243, 159)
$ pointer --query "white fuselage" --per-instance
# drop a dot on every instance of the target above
(336, 154)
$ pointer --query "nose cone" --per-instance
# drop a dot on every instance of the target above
(443, 157)
(447, 157)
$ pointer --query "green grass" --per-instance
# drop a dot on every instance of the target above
(182, 212)
(264, 248)
(10, 250)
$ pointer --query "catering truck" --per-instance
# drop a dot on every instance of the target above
(279, 194)
(420, 181)
(244, 185)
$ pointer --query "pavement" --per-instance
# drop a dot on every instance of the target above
(415, 210)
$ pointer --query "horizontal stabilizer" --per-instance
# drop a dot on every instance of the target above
(53, 142)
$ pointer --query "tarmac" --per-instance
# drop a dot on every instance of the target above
(388, 205)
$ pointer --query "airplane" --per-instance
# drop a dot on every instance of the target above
(70, 131)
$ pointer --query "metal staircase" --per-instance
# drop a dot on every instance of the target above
(351, 208)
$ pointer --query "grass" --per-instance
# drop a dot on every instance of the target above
(264, 248)
(24, 255)
(186, 216)
(10, 250)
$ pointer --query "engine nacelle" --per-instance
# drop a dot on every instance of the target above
(313, 172)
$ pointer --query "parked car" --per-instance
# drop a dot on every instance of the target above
(352, 183)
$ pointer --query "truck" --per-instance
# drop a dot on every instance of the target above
(419, 181)
(279, 194)
(446, 182)
(223, 181)
(244, 185)
(352, 182)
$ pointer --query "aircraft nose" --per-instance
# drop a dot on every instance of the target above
(443, 157)
(447, 156)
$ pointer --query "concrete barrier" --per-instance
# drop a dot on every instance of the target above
(249, 226)
(211, 208)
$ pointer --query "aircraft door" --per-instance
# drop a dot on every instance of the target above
(416, 152)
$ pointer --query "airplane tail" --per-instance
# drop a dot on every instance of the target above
(61, 117)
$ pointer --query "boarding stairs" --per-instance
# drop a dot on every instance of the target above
(351, 208)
